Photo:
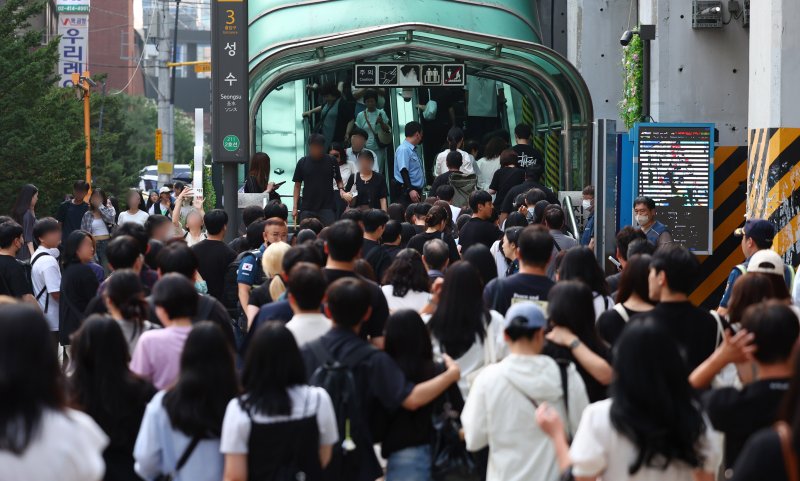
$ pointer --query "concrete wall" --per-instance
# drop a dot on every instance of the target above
(698, 75)
(553, 20)
(593, 31)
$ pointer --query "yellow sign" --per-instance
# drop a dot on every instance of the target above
(202, 67)
(159, 145)
(165, 167)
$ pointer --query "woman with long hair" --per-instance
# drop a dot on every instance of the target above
(102, 386)
(153, 198)
(490, 162)
(280, 428)
(136, 209)
(274, 286)
(461, 326)
(125, 300)
(633, 298)
(455, 141)
(406, 283)
(573, 338)
(99, 220)
(652, 426)
(78, 283)
(347, 169)
(23, 212)
(482, 259)
(40, 437)
(751, 288)
(407, 440)
(580, 264)
(184, 422)
(435, 228)
(258, 177)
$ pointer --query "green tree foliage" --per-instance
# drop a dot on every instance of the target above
(41, 124)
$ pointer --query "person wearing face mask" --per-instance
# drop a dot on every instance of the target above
(645, 210)
(588, 207)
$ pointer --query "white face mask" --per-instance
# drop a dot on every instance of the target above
(586, 204)
(642, 219)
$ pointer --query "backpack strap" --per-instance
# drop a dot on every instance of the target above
(720, 327)
(187, 453)
(789, 456)
(321, 352)
(36, 258)
(623, 313)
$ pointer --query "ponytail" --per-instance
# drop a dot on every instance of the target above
(276, 287)
(454, 137)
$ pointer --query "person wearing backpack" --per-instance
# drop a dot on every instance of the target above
(360, 380)
(11, 269)
(633, 298)
(45, 271)
(454, 162)
(500, 410)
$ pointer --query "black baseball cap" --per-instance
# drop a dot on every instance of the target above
(760, 230)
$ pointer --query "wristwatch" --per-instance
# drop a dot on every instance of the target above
(574, 344)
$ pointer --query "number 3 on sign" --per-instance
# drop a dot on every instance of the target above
(231, 17)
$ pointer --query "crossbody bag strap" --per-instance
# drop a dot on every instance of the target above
(187, 453)
(620, 309)
(789, 456)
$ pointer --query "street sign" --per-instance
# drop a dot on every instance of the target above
(674, 165)
(229, 82)
(409, 75)
(202, 67)
(159, 144)
(73, 44)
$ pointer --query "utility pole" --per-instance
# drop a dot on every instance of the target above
(166, 119)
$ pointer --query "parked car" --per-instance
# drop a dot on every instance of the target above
(148, 176)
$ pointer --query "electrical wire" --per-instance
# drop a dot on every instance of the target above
(144, 50)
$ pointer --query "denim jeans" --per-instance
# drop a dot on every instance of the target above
(410, 464)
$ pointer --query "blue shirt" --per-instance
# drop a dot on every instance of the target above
(737, 272)
(588, 231)
(249, 271)
(406, 158)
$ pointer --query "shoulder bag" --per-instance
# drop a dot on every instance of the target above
(383, 138)
(187, 453)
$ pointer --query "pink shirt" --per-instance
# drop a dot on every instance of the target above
(158, 353)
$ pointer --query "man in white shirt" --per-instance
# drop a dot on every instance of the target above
(500, 411)
(45, 272)
(306, 289)
(358, 142)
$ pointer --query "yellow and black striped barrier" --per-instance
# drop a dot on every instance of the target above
(552, 162)
(730, 194)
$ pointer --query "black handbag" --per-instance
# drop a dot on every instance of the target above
(450, 460)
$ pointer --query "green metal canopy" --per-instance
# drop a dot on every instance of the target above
(495, 39)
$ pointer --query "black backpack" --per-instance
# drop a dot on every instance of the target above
(29, 274)
(230, 293)
(338, 379)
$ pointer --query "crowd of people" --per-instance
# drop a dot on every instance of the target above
(424, 339)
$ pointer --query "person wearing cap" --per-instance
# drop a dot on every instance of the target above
(533, 175)
(164, 205)
(314, 174)
(645, 210)
(500, 411)
(757, 235)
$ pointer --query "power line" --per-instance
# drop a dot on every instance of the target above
(139, 62)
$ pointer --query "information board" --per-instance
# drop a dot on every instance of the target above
(230, 126)
(73, 32)
(675, 167)
(409, 75)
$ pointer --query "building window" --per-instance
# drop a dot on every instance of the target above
(204, 55)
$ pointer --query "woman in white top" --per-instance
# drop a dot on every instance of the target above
(124, 298)
(455, 140)
(40, 438)
(287, 426)
(406, 282)
(579, 264)
(347, 169)
(193, 223)
(187, 417)
(490, 162)
(462, 327)
(374, 120)
(135, 213)
(652, 429)
(99, 221)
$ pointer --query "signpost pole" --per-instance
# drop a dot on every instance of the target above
(230, 124)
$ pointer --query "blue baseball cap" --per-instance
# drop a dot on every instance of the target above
(760, 230)
(525, 314)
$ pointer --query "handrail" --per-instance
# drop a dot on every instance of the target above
(571, 223)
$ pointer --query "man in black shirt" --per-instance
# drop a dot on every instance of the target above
(70, 212)
(530, 284)
(740, 413)
(479, 229)
(391, 238)
(343, 245)
(673, 275)
(507, 176)
(527, 155)
(381, 384)
(532, 176)
(13, 279)
(372, 251)
(315, 173)
(213, 255)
